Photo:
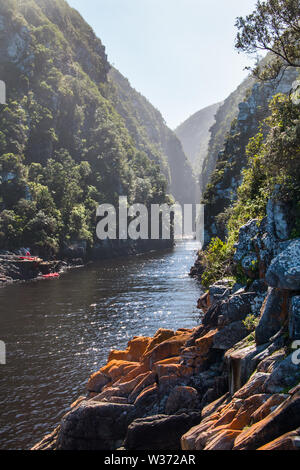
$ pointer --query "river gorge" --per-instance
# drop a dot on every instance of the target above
(57, 332)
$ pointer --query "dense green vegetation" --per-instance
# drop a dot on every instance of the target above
(224, 118)
(64, 147)
(273, 171)
(272, 165)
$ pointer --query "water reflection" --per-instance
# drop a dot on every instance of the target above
(58, 331)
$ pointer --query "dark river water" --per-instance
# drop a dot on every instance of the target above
(57, 332)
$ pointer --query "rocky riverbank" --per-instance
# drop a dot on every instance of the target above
(15, 268)
(231, 383)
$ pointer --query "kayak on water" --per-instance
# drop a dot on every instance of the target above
(51, 275)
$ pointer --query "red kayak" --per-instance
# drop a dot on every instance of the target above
(46, 276)
(27, 258)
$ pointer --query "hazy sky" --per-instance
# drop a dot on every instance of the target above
(178, 53)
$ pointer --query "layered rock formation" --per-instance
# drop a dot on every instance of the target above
(230, 383)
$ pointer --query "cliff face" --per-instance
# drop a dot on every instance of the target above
(226, 113)
(194, 134)
(230, 384)
(71, 136)
(221, 190)
(203, 135)
(151, 135)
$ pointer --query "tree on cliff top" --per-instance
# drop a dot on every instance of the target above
(274, 27)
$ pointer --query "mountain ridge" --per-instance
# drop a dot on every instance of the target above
(61, 118)
(194, 134)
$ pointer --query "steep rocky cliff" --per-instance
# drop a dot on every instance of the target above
(194, 134)
(226, 113)
(70, 136)
(220, 192)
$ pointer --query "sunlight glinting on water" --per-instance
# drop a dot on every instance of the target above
(58, 332)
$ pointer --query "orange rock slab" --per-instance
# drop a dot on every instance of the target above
(166, 349)
(117, 368)
(289, 441)
(160, 336)
(224, 440)
(136, 348)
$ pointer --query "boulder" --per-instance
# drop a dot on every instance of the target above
(236, 308)
(242, 361)
(271, 352)
(159, 432)
(163, 369)
(250, 264)
(284, 270)
(231, 309)
(97, 381)
(108, 393)
(223, 440)
(95, 426)
(204, 302)
(261, 290)
(191, 440)
(136, 371)
(270, 362)
(166, 349)
(144, 381)
(282, 224)
(196, 333)
(49, 442)
(246, 233)
(219, 291)
(161, 335)
(206, 380)
(136, 348)
(244, 415)
(116, 369)
(204, 343)
(212, 407)
(289, 441)
(210, 319)
(182, 398)
(169, 382)
(148, 400)
(284, 419)
(217, 389)
(220, 428)
(230, 335)
(294, 318)
(285, 376)
(274, 313)
(254, 386)
(266, 408)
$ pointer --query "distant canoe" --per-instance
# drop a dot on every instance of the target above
(46, 276)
